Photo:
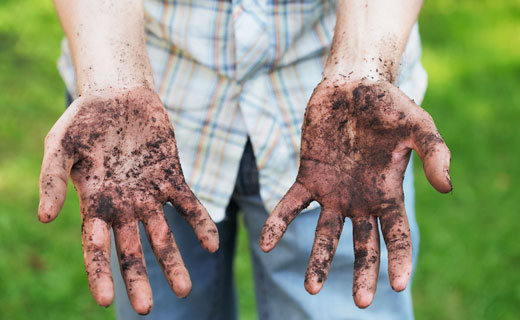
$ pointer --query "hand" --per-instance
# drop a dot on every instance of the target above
(119, 149)
(356, 143)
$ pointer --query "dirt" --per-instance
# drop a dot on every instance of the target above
(330, 227)
(126, 166)
(143, 159)
(355, 148)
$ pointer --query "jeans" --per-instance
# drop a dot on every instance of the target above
(278, 275)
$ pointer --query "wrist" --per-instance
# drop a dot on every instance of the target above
(369, 68)
(94, 85)
(129, 70)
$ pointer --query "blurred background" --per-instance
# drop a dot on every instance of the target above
(469, 264)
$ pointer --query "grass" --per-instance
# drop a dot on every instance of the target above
(468, 266)
(470, 251)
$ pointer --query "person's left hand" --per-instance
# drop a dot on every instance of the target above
(356, 144)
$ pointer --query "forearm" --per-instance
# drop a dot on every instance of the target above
(107, 43)
(369, 38)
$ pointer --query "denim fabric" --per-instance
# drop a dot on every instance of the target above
(213, 291)
(278, 275)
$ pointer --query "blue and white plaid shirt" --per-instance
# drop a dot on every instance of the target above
(226, 70)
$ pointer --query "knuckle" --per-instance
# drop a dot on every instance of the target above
(398, 242)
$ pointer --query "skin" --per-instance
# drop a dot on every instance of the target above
(119, 150)
(356, 143)
(117, 144)
(357, 135)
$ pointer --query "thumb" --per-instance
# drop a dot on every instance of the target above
(434, 154)
(54, 175)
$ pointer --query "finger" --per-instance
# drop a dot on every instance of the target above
(326, 240)
(167, 252)
(366, 264)
(191, 210)
(53, 181)
(133, 268)
(396, 232)
(294, 201)
(434, 154)
(96, 253)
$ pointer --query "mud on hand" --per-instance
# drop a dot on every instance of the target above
(119, 149)
(356, 144)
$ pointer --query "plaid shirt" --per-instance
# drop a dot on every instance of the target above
(226, 70)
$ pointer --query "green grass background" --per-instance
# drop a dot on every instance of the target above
(469, 265)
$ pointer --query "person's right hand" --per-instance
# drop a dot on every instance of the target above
(119, 149)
